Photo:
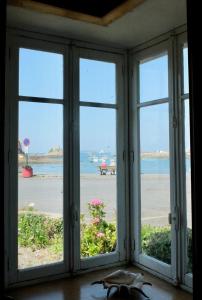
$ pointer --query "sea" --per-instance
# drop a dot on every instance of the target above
(89, 165)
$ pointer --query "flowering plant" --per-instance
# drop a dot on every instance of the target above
(99, 236)
(96, 209)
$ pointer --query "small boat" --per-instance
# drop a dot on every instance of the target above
(93, 158)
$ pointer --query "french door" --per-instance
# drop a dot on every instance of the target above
(160, 164)
(100, 172)
(153, 181)
(186, 209)
(65, 208)
(37, 145)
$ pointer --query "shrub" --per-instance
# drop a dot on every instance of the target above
(99, 236)
(156, 242)
(94, 241)
(38, 231)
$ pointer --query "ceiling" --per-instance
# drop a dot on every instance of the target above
(148, 20)
(97, 8)
(100, 12)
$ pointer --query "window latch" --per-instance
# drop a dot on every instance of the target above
(171, 218)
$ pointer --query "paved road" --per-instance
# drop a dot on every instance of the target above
(47, 195)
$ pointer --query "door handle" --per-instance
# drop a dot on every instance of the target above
(171, 218)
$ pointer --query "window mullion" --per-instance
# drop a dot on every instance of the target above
(153, 102)
(101, 105)
(40, 100)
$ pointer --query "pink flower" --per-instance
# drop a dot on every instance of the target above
(95, 202)
(100, 234)
(96, 220)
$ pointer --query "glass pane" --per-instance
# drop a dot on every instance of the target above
(40, 74)
(98, 181)
(40, 184)
(186, 72)
(188, 187)
(154, 78)
(97, 81)
(155, 182)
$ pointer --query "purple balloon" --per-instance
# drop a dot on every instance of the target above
(26, 142)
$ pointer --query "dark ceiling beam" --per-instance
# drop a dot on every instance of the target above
(53, 10)
(62, 12)
(120, 11)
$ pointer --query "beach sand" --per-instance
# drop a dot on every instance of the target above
(46, 192)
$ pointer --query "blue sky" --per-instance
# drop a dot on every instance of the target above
(41, 75)
(154, 79)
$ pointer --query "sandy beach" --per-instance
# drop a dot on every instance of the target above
(46, 192)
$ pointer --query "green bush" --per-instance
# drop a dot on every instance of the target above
(156, 242)
(94, 241)
(38, 231)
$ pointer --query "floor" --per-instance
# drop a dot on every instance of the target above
(80, 288)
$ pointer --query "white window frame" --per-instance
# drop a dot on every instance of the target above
(71, 51)
(161, 268)
(127, 153)
(174, 44)
(13, 274)
(120, 254)
(186, 278)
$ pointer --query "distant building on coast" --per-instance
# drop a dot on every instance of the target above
(156, 154)
(55, 151)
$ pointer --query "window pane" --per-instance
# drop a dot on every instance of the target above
(186, 72)
(188, 187)
(98, 181)
(40, 186)
(40, 74)
(154, 78)
(97, 81)
(155, 182)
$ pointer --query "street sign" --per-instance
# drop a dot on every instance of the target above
(26, 142)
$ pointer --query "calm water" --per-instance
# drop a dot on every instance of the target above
(87, 165)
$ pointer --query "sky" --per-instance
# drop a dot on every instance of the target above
(41, 75)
